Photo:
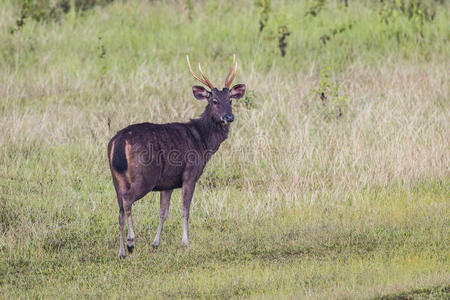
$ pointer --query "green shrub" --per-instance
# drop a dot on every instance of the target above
(265, 9)
(332, 105)
(47, 10)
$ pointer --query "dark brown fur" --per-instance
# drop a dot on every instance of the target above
(151, 145)
(161, 157)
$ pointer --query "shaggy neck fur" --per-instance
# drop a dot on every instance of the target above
(211, 132)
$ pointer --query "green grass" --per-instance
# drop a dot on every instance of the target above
(386, 245)
(298, 202)
(427, 293)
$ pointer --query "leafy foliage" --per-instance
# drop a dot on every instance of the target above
(333, 104)
(248, 101)
(47, 10)
(418, 12)
(315, 9)
(341, 29)
(283, 33)
(265, 9)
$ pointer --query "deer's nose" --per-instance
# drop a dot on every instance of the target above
(228, 118)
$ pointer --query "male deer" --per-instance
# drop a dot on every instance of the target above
(161, 157)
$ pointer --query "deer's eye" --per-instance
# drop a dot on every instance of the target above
(215, 101)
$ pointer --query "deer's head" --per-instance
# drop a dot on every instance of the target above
(219, 101)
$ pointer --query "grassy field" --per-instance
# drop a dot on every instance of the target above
(343, 197)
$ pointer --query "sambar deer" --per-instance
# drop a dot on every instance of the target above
(161, 157)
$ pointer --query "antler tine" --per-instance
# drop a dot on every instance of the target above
(208, 83)
(193, 74)
(232, 73)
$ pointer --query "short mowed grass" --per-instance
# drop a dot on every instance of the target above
(345, 196)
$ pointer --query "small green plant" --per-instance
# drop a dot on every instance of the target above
(31, 9)
(101, 50)
(47, 10)
(213, 6)
(248, 101)
(265, 9)
(332, 104)
(327, 36)
(83, 5)
(189, 8)
(283, 33)
(418, 12)
(315, 9)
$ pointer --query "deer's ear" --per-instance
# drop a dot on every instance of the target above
(200, 93)
(237, 91)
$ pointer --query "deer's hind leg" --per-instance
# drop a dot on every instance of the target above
(121, 187)
(138, 189)
(128, 199)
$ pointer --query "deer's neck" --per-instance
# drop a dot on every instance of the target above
(211, 133)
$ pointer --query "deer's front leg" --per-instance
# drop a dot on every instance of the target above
(188, 191)
(163, 211)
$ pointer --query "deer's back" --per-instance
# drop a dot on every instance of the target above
(158, 153)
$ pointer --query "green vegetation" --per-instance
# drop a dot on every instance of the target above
(334, 182)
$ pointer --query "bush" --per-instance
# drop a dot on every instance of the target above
(48, 10)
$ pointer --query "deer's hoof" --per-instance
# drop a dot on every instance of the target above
(122, 256)
(130, 245)
(155, 245)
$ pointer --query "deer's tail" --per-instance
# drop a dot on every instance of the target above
(119, 159)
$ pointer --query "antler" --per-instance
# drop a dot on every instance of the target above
(205, 80)
(230, 77)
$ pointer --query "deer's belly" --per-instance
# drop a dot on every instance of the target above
(169, 183)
